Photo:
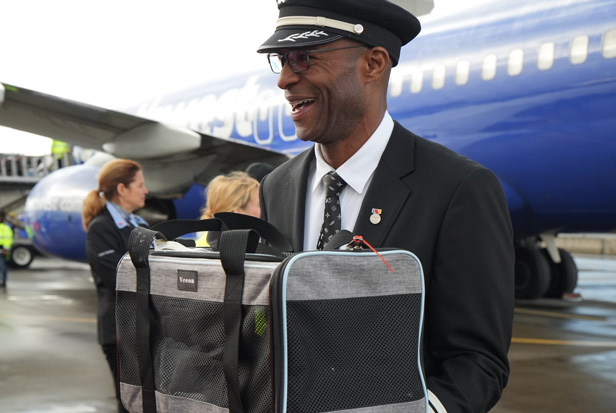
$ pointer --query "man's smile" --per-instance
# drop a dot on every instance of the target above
(298, 105)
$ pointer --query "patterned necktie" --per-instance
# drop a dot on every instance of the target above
(332, 217)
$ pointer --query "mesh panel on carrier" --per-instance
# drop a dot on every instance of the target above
(187, 341)
(336, 353)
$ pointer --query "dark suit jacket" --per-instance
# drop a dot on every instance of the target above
(451, 212)
(105, 246)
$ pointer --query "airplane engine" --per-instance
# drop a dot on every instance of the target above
(54, 205)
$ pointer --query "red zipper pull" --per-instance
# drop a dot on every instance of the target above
(358, 240)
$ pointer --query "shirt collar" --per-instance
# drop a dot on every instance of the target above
(358, 169)
(122, 218)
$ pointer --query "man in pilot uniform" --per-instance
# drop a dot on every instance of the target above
(334, 59)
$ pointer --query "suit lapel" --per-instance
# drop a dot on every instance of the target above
(388, 190)
(295, 194)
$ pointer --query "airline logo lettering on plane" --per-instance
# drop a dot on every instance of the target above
(55, 204)
(250, 111)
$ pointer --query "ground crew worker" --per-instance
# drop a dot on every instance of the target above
(58, 150)
(6, 243)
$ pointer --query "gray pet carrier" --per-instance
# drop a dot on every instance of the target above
(236, 331)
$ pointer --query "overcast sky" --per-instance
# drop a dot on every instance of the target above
(117, 53)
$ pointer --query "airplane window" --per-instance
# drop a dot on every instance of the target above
(545, 59)
(609, 44)
(438, 77)
(488, 70)
(416, 81)
(579, 50)
(463, 71)
(516, 62)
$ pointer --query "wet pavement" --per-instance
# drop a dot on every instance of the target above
(563, 354)
(50, 360)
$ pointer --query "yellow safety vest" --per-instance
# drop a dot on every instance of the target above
(6, 236)
(59, 148)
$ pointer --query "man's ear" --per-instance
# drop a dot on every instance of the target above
(376, 63)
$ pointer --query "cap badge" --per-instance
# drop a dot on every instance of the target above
(304, 35)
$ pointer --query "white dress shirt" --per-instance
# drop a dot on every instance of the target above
(357, 172)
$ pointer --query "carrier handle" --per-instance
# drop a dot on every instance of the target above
(223, 221)
(233, 247)
(266, 230)
(139, 243)
(342, 237)
(174, 228)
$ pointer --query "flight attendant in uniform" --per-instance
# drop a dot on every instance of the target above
(108, 220)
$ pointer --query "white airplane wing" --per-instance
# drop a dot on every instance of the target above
(172, 157)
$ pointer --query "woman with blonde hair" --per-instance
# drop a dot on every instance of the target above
(235, 192)
(108, 220)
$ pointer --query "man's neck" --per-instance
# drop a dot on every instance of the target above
(336, 153)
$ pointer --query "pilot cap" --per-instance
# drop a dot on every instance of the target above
(305, 23)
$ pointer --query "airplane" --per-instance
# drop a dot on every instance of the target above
(526, 88)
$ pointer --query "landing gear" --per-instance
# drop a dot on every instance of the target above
(544, 272)
(564, 275)
(532, 273)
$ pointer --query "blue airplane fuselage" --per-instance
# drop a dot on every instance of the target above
(526, 88)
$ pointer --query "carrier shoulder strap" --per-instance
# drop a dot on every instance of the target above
(233, 247)
(139, 243)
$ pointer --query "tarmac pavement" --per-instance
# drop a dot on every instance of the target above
(563, 355)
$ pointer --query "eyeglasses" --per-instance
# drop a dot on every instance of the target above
(298, 60)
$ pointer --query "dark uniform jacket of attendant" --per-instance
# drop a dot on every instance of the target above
(451, 212)
(105, 246)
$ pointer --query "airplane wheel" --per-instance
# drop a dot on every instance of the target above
(21, 256)
(564, 276)
(532, 273)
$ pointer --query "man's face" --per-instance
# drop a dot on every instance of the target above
(327, 100)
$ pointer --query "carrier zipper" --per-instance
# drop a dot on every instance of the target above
(359, 243)
(276, 339)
